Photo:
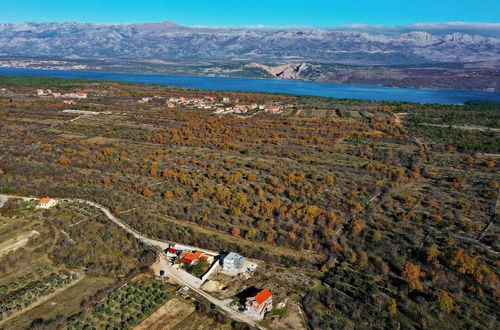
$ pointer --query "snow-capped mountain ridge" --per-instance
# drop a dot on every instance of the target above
(173, 42)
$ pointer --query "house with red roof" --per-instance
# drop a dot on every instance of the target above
(46, 203)
(260, 304)
(273, 108)
(171, 252)
(191, 257)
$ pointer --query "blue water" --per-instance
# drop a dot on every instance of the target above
(363, 92)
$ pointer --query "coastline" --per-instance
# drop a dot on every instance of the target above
(155, 73)
(280, 86)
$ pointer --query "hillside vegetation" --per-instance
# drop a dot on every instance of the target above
(393, 219)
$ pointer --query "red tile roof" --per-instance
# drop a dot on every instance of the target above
(45, 200)
(262, 296)
(188, 260)
(189, 257)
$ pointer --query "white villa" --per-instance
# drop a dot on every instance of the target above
(232, 262)
(46, 203)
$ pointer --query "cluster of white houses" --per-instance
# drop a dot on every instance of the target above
(221, 106)
(71, 95)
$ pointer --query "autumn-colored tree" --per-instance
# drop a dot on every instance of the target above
(449, 148)
(108, 151)
(330, 180)
(415, 174)
(236, 211)
(392, 306)
(444, 301)
(489, 163)
(146, 192)
(450, 241)
(236, 231)
(487, 276)
(493, 184)
(363, 258)
(437, 218)
(153, 169)
(469, 159)
(357, 226)
(411, 273)
(464, 262)
(431, 254)
(312, 210)
(64, 160)
(241, 199)
(168, 194)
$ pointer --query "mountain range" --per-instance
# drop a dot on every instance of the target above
(172, 42)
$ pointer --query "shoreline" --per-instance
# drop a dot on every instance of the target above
(275, 86)
(94, 70)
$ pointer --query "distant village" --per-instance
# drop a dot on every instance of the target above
(222, 106)
(72, 95)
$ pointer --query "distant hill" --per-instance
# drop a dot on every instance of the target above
(171, 42)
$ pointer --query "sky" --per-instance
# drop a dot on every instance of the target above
(276, 13)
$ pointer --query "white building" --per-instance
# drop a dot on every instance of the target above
(145, 100)
(46, 203)
(232, 262)
(76, 95)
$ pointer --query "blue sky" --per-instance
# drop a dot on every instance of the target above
(315, 13)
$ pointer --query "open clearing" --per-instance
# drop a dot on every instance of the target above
(16, 243)
(168, 315)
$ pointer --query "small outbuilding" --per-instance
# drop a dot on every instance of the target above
(171, 252)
